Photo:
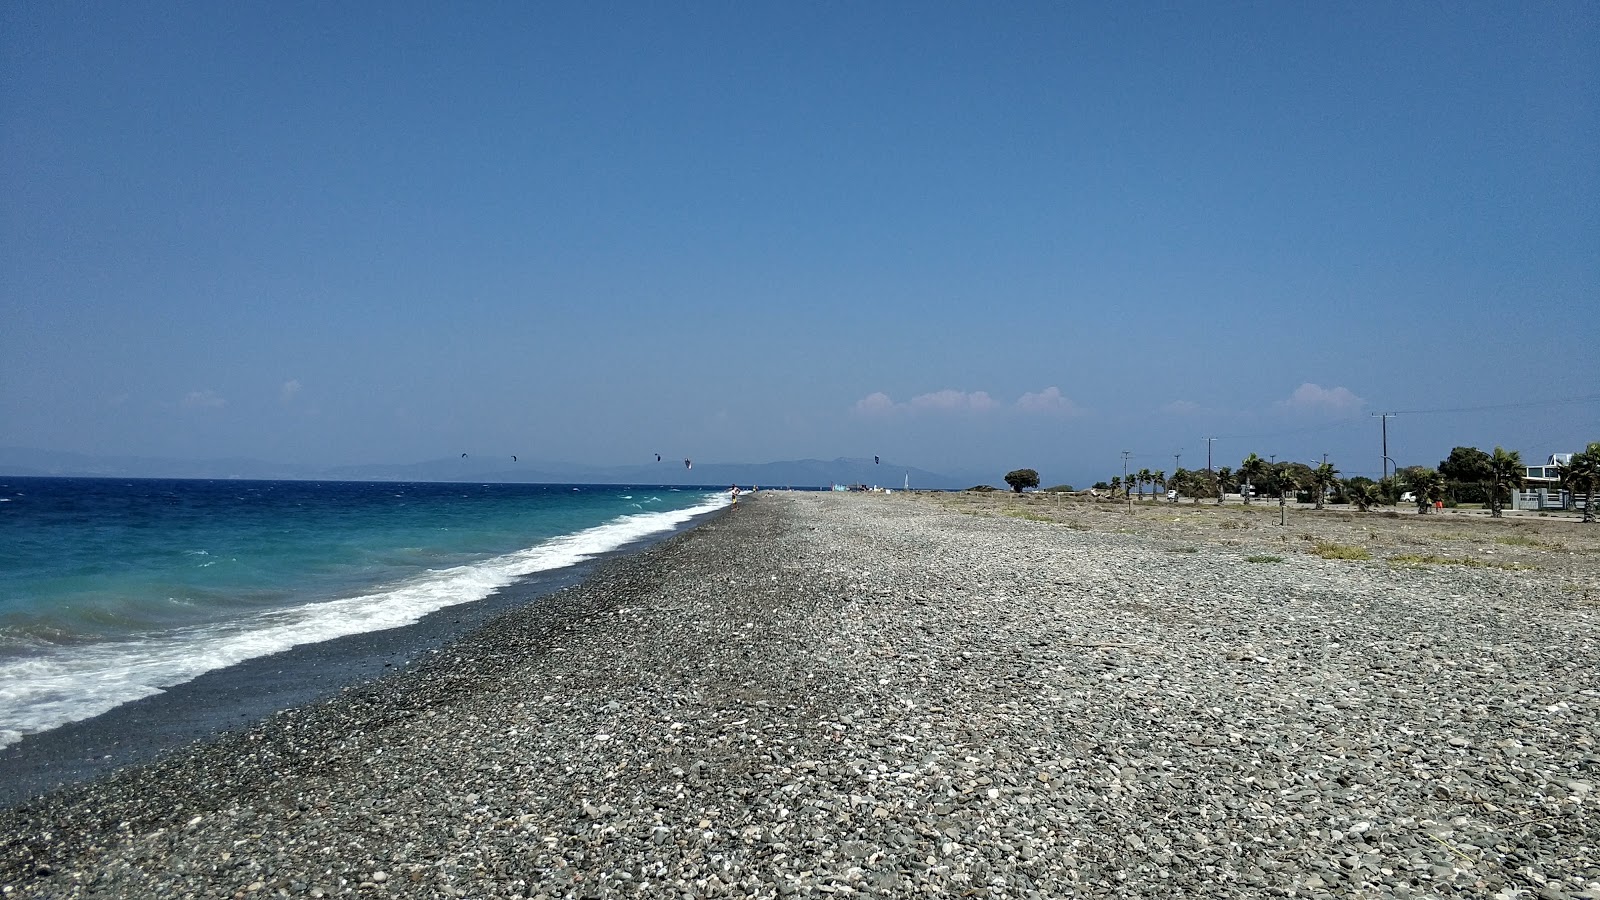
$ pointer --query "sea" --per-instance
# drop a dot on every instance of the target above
(112, 590)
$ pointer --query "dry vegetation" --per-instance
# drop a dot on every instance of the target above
(1555, 546)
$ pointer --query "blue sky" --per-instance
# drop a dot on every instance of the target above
(964, 237)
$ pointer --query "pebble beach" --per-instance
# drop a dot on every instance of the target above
(940, 695)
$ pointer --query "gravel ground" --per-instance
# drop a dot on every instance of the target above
(906, 695)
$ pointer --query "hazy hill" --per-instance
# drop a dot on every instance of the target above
(795, 473)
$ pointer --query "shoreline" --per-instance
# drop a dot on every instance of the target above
(828, 692)
(250, 692)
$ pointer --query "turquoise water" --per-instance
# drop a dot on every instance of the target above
(111, 590)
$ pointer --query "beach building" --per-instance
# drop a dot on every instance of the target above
(1541, 487)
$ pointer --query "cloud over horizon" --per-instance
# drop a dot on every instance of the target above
(1050, 401)
(203, 400)
(1047, 401)
(1314, 398)
(1183, 408)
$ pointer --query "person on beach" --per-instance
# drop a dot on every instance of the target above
(733, 492)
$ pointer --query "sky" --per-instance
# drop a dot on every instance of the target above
(965, 237)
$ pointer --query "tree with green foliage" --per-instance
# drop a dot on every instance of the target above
(1467, 471)
(1323, 478)
(1250, 471)
(1022, 478)
(1466, 465)
(1347, 486)
(1582, 473)
(1144, 479)
(1505, 471)
(1363, 492)
(1292, 477)
(1116, 485)
(1426, 485)
(1182, 482)
(1225, 483)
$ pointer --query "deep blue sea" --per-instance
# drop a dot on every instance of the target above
(111, 590)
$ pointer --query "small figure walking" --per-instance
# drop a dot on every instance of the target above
(733, 493)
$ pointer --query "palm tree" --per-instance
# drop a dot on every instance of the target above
(1158, 483)
(1289, 478)
(1116, 483)
(1225, 480)
(1323, 477)
(1364, 495)
(1505, 471)
(1144, 479)
(1582, 472)
(1251, 469)
(1428, 486)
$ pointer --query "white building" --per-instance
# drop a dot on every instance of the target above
(1541, 487)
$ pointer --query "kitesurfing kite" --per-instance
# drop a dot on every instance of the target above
(463, 456)
(874, 460)
(687, 464)
(513, 457)
(658, 457)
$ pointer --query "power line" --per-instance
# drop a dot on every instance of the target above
(1309, 429)
(1533, 404)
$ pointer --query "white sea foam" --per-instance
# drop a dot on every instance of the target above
(68, 684)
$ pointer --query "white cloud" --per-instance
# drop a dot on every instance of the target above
(953, 401)
(204, 400)
(947, 401)
(290, 390)
(875, 404)
(1049, 400)
(1316, 398)
(1182, 408)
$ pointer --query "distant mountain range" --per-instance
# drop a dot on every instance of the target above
(787, 473)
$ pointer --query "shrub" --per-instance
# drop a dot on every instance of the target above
(1471, 562)
(1340, 551)
(1263, 558)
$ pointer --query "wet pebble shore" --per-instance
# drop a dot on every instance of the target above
(868, 695)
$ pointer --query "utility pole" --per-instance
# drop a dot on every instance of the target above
(1175, 457)
(1222, 492)
(1385, 417)
(1126, 494)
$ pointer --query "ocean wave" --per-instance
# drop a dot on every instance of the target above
(53, 684)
